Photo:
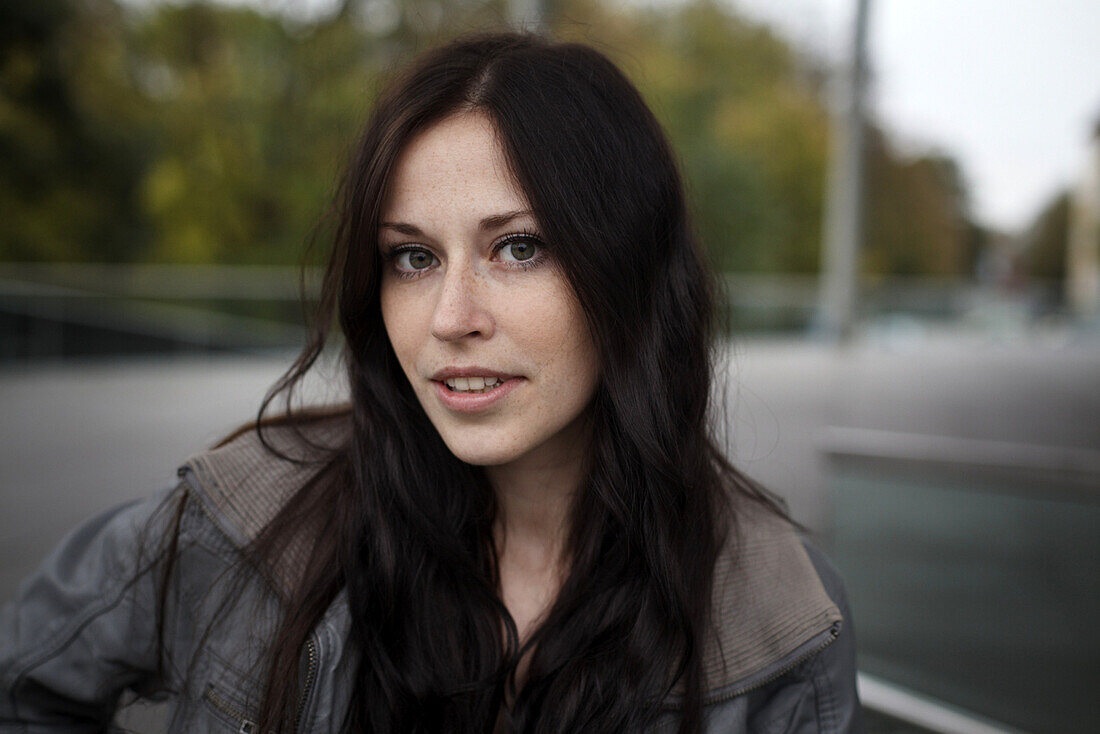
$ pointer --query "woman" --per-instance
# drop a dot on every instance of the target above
(520, 523)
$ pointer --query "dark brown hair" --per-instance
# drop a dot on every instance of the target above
(407, 526)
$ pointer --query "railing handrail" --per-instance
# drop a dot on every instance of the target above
(243, 282)
(924, 711)
(158, 281)
(871, 443)
(277, 282)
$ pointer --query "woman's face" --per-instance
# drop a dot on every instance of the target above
(484, 324)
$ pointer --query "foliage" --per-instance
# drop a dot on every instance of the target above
(916, 222)
(251, 124)
(71, 140)
(211, 133)
(744, 113)
(1047, 239)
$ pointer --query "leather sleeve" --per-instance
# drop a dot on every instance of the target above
(82, 628)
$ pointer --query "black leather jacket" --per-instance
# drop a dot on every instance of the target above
(83, 627)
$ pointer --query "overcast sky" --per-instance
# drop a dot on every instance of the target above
(1010, 88)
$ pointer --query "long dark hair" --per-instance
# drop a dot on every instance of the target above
(408, 525)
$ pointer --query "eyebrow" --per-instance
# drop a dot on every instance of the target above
(493, 221)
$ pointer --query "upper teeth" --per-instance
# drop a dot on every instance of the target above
(472, 384)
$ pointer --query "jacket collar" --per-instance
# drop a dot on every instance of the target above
(769, 604)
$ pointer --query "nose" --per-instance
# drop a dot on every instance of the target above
(460, 310)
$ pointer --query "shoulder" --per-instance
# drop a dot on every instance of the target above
(774, 598)
(246, 481)
(782, 653)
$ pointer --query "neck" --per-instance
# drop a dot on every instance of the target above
(535, 494)
(533, 501)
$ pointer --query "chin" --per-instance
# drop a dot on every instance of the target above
(486, 445)
(478, 455)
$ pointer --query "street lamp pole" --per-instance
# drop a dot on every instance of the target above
(528, 15)
(844, 206)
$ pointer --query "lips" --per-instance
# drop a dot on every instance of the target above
(472, 389)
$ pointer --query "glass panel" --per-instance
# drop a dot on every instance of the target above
(979, 589)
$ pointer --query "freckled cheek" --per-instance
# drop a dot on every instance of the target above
(405, 327)
(564, 362)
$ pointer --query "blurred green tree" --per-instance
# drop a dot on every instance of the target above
(257, 115)
(1047, 238)
(72, 140)
(201, 132)
(917, 220)
(747, 114)
(744, 112)
(244, 153)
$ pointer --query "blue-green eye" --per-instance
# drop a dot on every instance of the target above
(519, 249)
(411, 260)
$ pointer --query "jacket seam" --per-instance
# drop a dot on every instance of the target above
(55, 644)
(232, 697)
(226, 533)
(824, 696)
(67, 634)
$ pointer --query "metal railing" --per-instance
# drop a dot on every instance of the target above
(69, 309)
(170, 302)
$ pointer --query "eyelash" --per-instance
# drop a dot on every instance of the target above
(540, 252)
(393, 253)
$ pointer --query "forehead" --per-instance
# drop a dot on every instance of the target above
(455, 167)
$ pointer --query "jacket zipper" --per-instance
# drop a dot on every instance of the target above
(311, 673)
(834, 632)
(247, 726)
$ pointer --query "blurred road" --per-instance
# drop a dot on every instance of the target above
(79, 437)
